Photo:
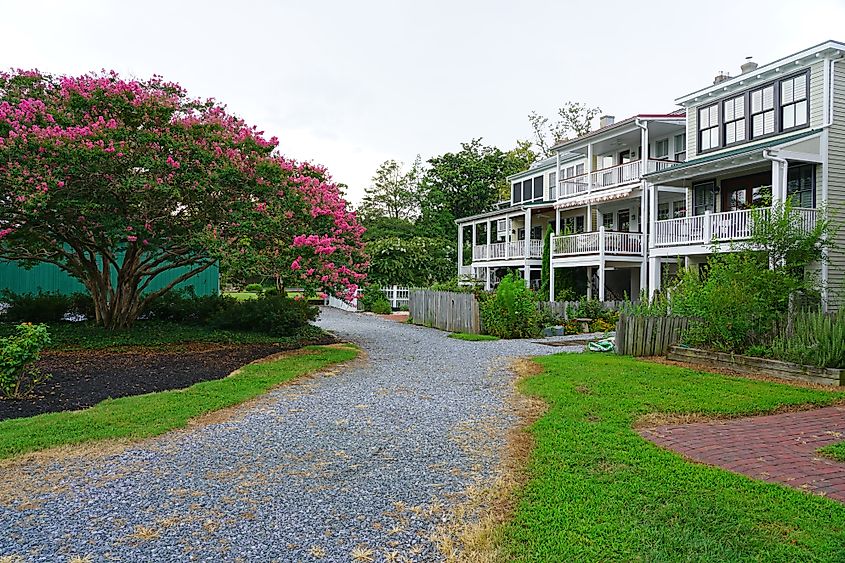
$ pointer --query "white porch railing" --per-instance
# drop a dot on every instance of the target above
(610, 177)
(505, 250)
(598, 242)
(719, 227)
(397, 295)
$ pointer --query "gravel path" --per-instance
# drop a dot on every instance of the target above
(360, 462)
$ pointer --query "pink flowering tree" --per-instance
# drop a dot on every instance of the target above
(316, 245)
(118, 181)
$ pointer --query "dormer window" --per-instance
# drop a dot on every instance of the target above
(708, 128)
(794, 109)
(734, 112)
(763, 111)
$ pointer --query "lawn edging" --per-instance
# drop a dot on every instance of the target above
(152, 414)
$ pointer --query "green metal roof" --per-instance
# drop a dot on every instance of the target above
(732, 153)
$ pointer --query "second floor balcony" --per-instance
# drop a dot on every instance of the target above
(620, 175)
(507, 250)
(601, 242)
(724, 227)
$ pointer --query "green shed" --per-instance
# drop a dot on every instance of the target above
(49, 278)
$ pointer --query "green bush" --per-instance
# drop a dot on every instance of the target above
(254, 288)
(271, 291)
(18, 353)
(816, 339)
(511, 312)
(187, 308)
(274, 315)
(41, 307)
(381, 307)
(370, 295)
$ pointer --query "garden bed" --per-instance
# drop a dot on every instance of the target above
(752, 365)
(83, 378)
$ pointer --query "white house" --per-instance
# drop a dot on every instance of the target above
(623, 216)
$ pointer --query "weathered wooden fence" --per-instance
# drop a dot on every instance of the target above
(561, 308)
(446, 310)
(648, 336)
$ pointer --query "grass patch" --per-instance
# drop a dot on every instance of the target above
(241, 295)
(600, 492)
(472, 337)
(834, 451)
(143, 416)
(88, 336)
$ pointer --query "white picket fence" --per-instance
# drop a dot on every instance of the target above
(397, 295)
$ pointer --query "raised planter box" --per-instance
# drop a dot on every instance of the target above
(764, 366)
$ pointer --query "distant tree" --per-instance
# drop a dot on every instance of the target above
(393, 193)
(574, 119)
(466, 182)
(383, 227)
(418, 261)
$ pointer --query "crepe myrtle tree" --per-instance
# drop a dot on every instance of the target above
(119, 181)
(315, 244)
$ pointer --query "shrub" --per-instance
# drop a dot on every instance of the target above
(816, 339)
(41, 307)
(274, 315)
(369, 296)
(512, 311)
(381, 307)
(18, 353)
(254, 288)
(82, 304)
(271, 291)
(188, 308)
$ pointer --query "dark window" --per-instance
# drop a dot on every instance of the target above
(552, 185)
(704, 198)
(526, 190)
(733, 111)
(763, 111)
(663, 211)
(517, 192)
(681, 147)
(661, 148)
(679, 208)
(579, 169)
(793, 102)
(708, 128)
(538, 187)
(800, 185)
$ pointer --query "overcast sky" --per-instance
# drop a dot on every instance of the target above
(349, 84)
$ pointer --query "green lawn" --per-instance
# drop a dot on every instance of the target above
(241, 295)
(472, 337)
(835, 451)
(142, 416)
(75, 336)
(600, 492)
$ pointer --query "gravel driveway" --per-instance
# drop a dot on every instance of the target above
(356, 465)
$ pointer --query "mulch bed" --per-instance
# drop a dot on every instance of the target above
(81, 379)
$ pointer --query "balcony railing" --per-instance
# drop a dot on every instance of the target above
(720, 227)
(598, 242)
(507, 250)
(610, 177)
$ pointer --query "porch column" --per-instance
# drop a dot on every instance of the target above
(589, 220)
(487, 278)
(589, 168)
(601, 263)
(527, 253)
(460, 248)
(474, 239)
(589, 282)
(654, 194)
(654, 280)
(507, 236)
(557, 221)
(551, 281)
(487, 232)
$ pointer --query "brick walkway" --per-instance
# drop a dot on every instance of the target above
(778, 448)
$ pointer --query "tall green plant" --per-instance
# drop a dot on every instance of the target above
(512, 311)
(815, 339)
